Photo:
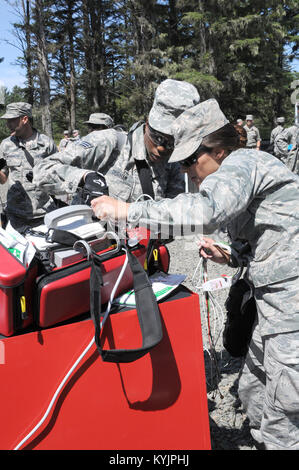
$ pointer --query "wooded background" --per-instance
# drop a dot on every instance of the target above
(107, 56)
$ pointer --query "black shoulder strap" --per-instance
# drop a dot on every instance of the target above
(146, 306)
(144, 171)
(145, 177)
(29, 157)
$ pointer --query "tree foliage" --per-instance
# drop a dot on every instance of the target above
(83, 56)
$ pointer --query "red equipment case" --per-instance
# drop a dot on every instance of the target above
(64, 293)
(60, 294)
(16, 293)
(157, 402)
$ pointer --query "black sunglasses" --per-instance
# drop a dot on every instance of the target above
(189, 161)
(160, 140)
(193, 158)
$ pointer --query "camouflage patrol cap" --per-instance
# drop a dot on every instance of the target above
(280, 119)
(15, 110)
(100, 118)
(249, 117)
(172, 97)
(193, 125)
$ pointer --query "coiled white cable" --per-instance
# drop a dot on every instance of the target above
(144, 195)
(69, 373)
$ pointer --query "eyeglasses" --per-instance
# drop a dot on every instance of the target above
(189, 161)
(193, 158)
(160, 140)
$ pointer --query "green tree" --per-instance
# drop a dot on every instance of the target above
(142, 72)
(88, 55)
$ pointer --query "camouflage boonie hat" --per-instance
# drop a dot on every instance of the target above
(15, 110)
(280, 119)
(172, 97)
(100, 118)
(193, 125)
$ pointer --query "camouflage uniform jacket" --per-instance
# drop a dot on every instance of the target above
(63, 171)
(123, 179)
(293, 159)
(253, 135)
(256, 197)
(274, 133)
(282, 142)
(62, 144)
(24, 199)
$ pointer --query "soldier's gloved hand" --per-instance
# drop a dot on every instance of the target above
(95, 185)
(2, 163)
(29, 176)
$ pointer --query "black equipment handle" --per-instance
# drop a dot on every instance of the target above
(146, 306)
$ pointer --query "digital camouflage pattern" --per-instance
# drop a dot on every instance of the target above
(18, 109)
(193, 125)
(255, 197)
(100, 118)
(253, 136)
(62, 144)
(272, 410)
(24, 199)
(281, 144)
(289, 157)
(274, 133)
(294, 153)
(172, 97)
(100, 151)
(277, 130)
(123, 180)
(63, 171)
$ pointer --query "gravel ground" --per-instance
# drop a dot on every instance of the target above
(228, 424)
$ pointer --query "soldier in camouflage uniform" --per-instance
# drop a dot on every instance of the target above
(148, 145)
(253, 134)
(26, 204)
(275, 132)
(64, 172)
(99, 121)
(256, 197)
(293, 158)
(64, 141)
(283, 140)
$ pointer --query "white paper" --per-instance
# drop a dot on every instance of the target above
(163, 284)
(216, 284)
(18, 246)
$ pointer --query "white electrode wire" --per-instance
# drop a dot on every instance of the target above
(55, 396)
(144, 195)
(198, 274)
(114, 288)
(68, 374)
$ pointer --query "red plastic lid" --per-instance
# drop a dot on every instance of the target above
(12, 271)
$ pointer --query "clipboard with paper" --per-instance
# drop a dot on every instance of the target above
(163, 284)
